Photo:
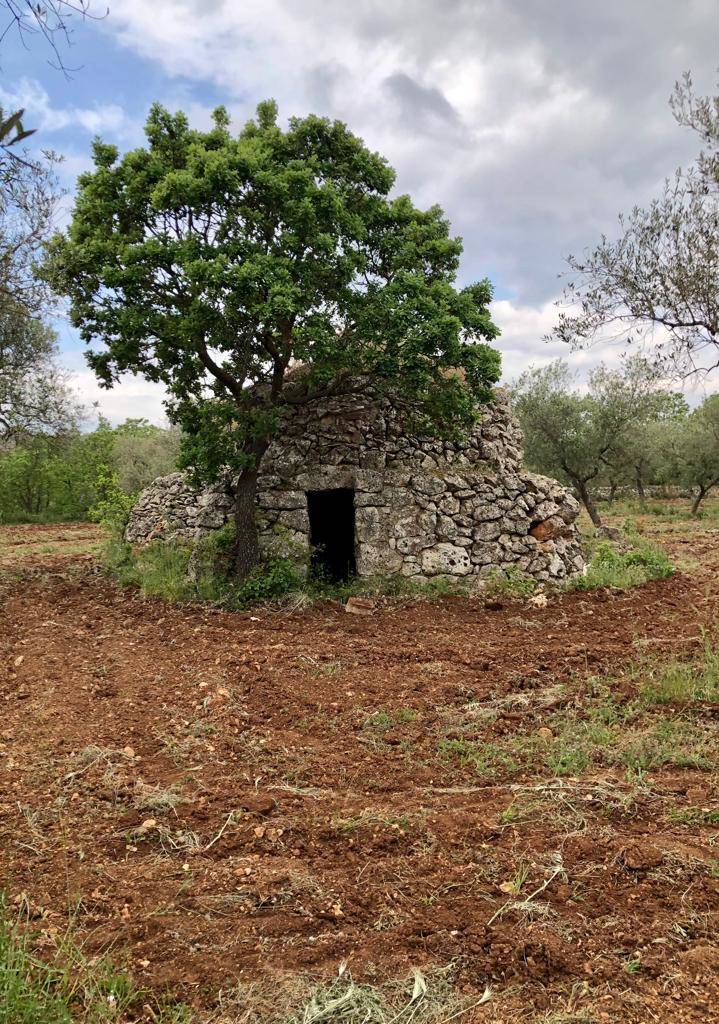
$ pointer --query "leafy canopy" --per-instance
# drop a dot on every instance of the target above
(693, 444)
(216, 263)
(580, 436)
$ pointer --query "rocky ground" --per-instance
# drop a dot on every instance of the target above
(235, 803)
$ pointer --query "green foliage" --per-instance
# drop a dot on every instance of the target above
(28, 990)
(694, 449)
(112, 506)
(670, 741)
(567, 758)
(612, 433)
(172, 571)
(142, 452)
(679, 681)
(70, 989)
(694, 816)
(216, 263)
(510, 582)
(51, 479)
(75, 476)
(485, 758)
(621, 570)
(266, 583)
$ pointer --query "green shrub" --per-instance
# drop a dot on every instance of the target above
(178, 572)
(54, 478)
(112, 506)
(621, 570)
(510, 582)
(266, 583)
(172, 571)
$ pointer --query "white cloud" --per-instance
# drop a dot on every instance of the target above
(133, 397)
(523, 341)
(30, 96)
(532, 124)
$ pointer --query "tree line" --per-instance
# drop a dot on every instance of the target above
(77, 475)
(622, 429)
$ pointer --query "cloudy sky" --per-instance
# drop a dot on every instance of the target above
(532, 122)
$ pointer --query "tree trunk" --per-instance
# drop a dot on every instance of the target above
(613, 491)
(247, 546)
(588, 502)
(640, 489)
(698, 499)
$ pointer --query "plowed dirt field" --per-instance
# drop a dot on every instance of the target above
(255, 797)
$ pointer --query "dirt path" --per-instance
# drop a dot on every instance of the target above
(254, 796)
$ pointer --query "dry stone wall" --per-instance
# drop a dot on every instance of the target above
(423, 507)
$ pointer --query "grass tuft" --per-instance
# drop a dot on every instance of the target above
(679, 681)
(69, 989)
(622, 570)
(510, 582)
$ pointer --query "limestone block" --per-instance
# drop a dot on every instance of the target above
(427, 484)
(485, 553)
(446, 559)
(372, 525)
(296, 519)
(449, 505)
(373, 559)
(486, 531)
(413, 545)
(280, 499)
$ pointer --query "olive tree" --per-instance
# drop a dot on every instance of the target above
(658, 280)
(217, 264)
(142, 452)
(694, 443)
(34, 393)
(640, 454)
(584, 436)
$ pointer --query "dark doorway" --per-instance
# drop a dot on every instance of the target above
(332, 532)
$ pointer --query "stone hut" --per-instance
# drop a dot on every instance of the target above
(345, 485)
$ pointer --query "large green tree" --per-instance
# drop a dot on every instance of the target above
(215, 263)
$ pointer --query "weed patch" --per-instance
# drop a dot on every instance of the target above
(485, 758)
(177, 572)
(694, 816)
(621, 570)
(679, 681)
(511, 582)
(69, 989)
(421, 999)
